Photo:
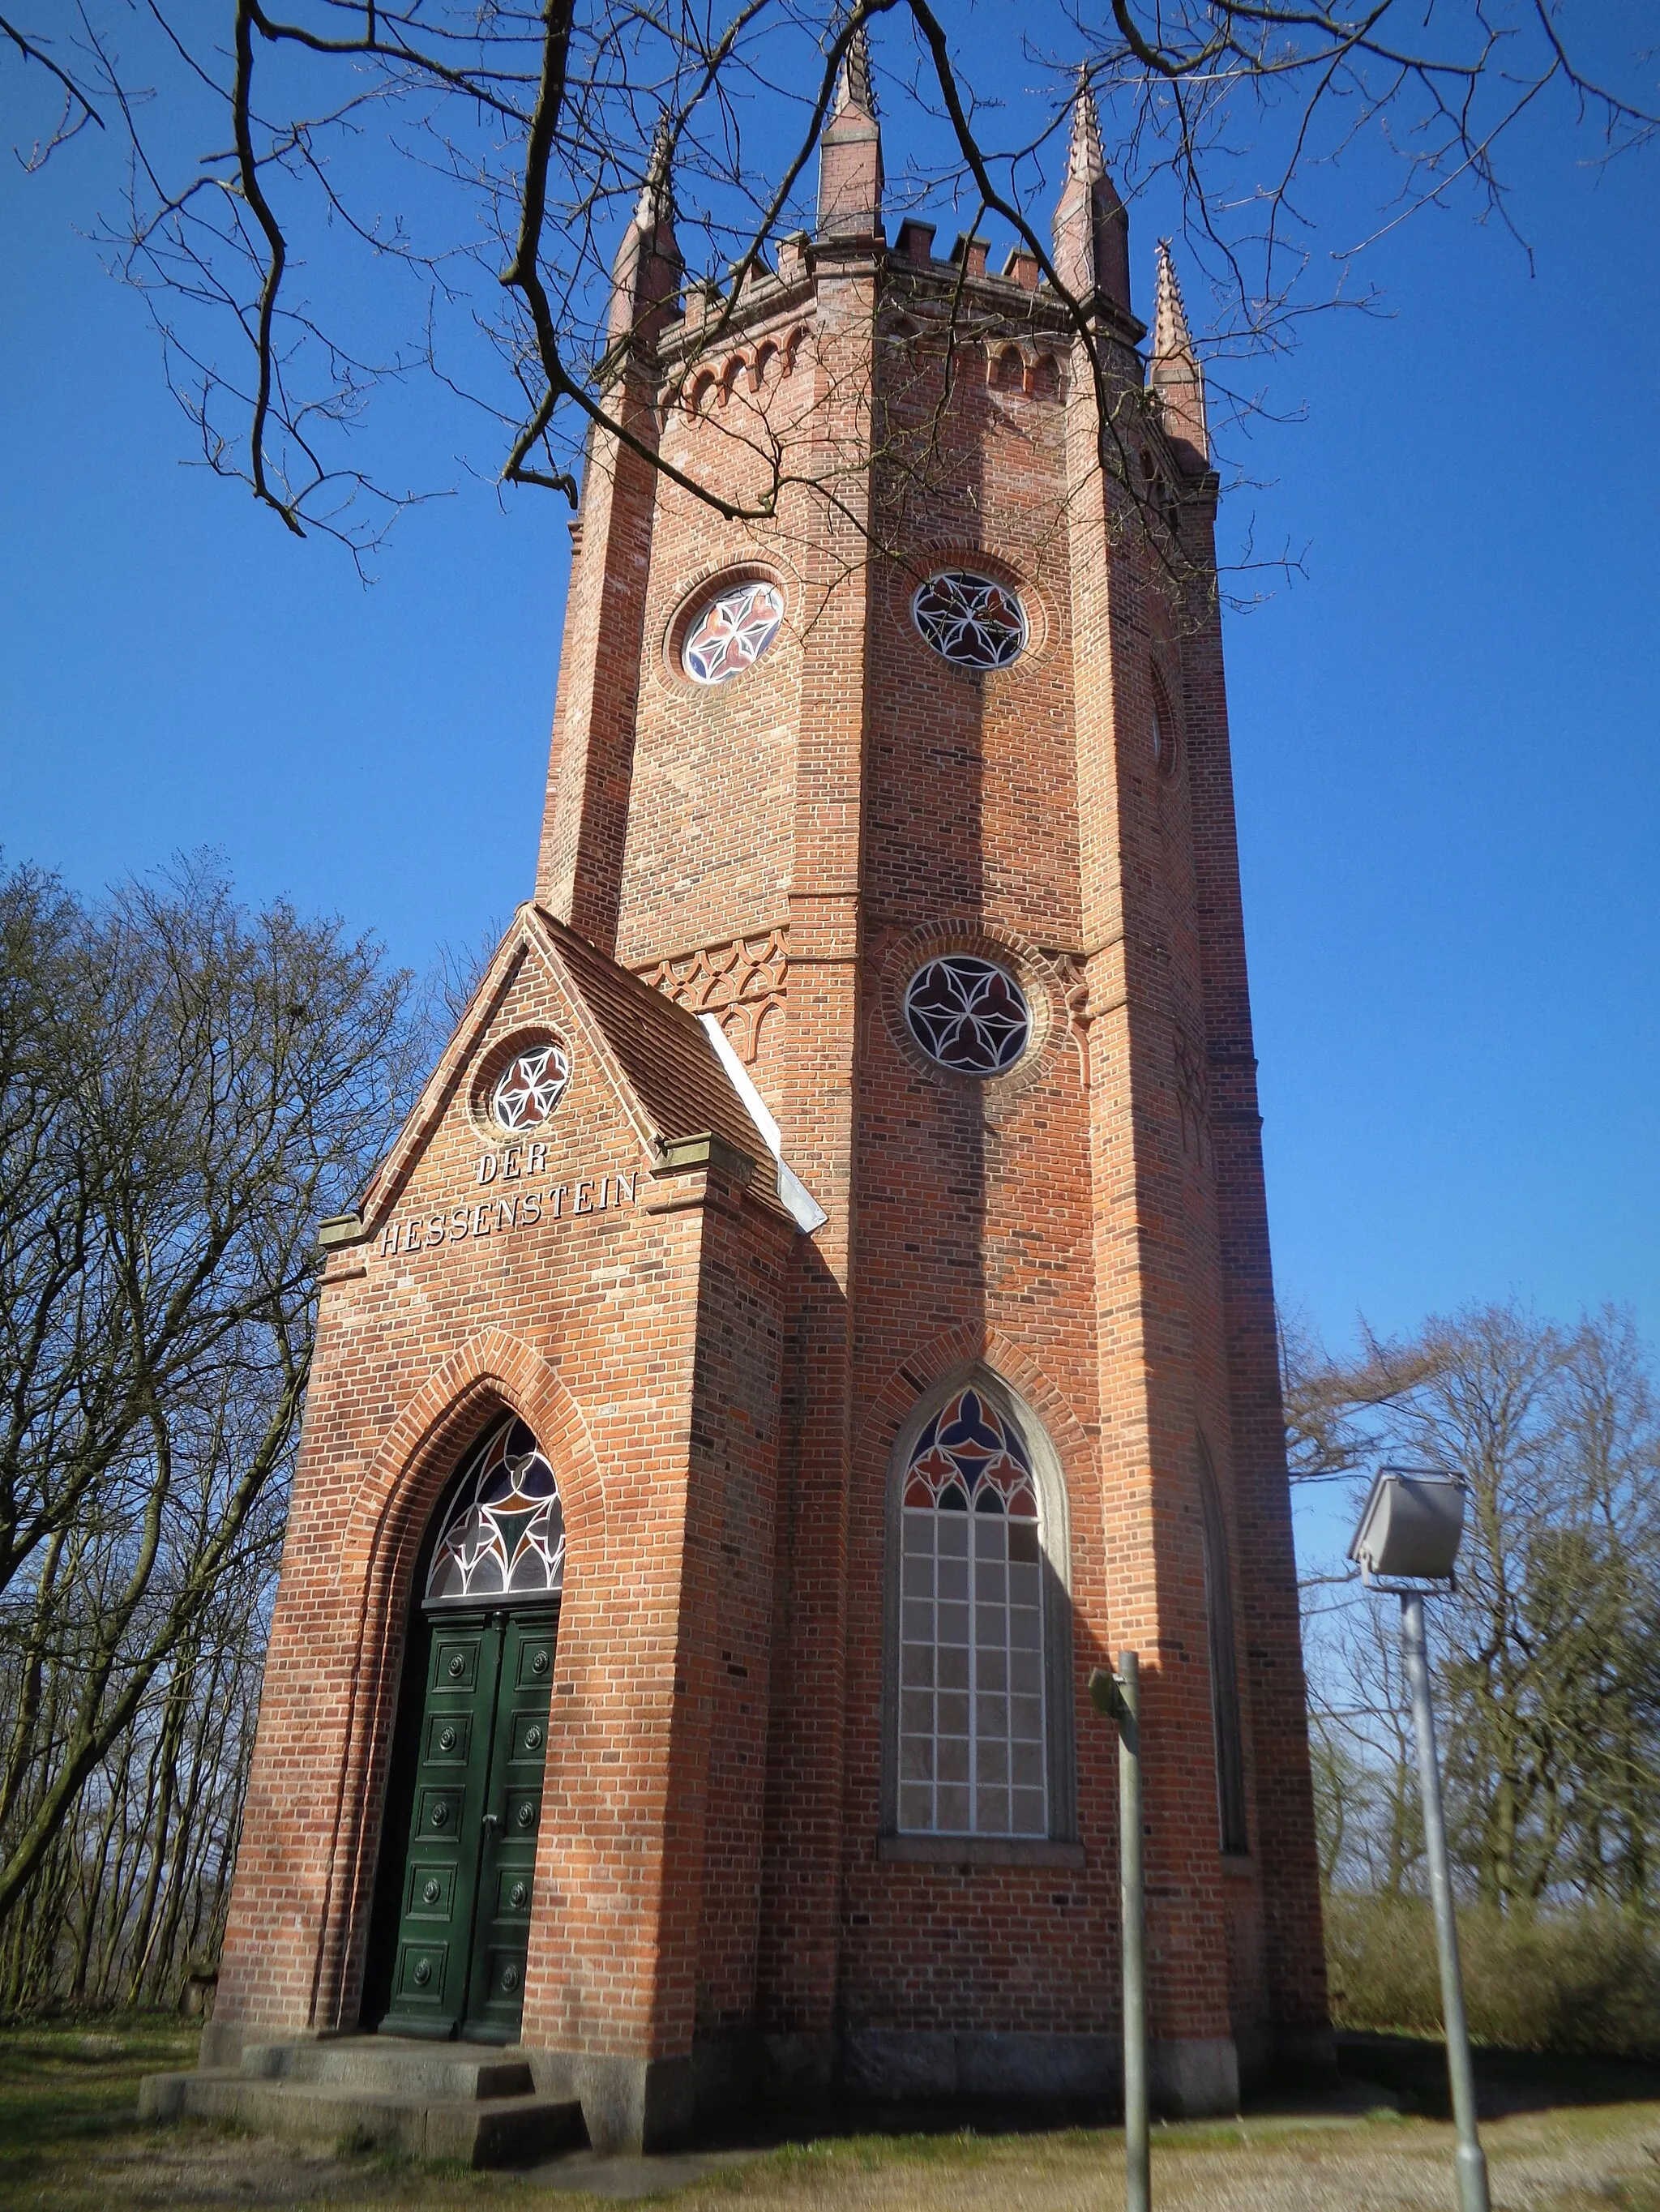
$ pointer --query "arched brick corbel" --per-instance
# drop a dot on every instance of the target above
(419, 1451)
(923, 1370)
(376, 1561)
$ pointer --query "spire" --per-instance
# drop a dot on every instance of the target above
(850, 150)
(1085, 159)
(1091, 230)
(656, 201)
(854, 87)
(645, 277)
(1173, 371)
(1170, 315)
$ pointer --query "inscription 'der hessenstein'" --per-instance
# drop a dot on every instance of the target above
(502, 1209)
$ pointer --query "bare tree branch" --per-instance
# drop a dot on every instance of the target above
(353, 190)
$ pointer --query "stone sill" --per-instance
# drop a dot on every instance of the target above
(978, 1850)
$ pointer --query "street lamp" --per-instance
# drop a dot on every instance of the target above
(1118, 1697)
(1407, 1537)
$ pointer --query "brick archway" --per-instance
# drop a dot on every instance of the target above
(374, 1573)
(962, 1349)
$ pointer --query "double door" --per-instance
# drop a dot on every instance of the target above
(474, 1805)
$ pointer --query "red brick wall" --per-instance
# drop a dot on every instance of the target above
(722, 1396)
(709, 849)
(641, 1343)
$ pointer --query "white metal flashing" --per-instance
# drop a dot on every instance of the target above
(793, 1193)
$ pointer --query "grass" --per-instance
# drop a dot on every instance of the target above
(69, 2142)
(74, 2082)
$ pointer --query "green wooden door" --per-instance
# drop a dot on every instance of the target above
(512, 1817)
(464, 1910)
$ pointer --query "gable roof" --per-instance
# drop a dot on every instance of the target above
(666, 1075)
(672, 1067)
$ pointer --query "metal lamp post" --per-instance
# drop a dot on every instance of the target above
(1118, 1697)
(1408, 1535)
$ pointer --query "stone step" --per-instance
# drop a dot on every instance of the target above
(399, 2066)
(478, 2131)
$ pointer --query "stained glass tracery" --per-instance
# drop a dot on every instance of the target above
(504, 1540)
(972, 1742)
(732, 632)
(971, 620)
(531, 1086)
(968, 1013)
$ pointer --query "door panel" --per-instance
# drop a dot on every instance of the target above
(513, 1818)
(448, 1740)
(475, 1809)
(429, 1970)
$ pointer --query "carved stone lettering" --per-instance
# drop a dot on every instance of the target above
(494, 1217)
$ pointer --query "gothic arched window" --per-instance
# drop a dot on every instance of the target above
(1046, 378)
(1224, 1673)
(972, 1724)
(503, 1541)
(1163, 727)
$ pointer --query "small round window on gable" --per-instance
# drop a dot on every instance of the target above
(530, 1086)
(731, 630)
(968, 1014)
(972, 621)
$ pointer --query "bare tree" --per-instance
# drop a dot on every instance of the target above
(184, 1088)
(1546, 1668)
(323, 197)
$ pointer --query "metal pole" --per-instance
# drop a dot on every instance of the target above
(1469, 2164)
(1138, 2171)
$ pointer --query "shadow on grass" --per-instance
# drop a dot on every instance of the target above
(76, 2078)
(772, 2126)
(1413, 2069)
(1416, 2068)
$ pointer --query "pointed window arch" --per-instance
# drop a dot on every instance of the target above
(981, 1628)
(1234, 1835)
(503, 1538)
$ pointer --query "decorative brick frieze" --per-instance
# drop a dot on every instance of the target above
(743, 982)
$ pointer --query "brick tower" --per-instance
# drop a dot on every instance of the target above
(820, 1307)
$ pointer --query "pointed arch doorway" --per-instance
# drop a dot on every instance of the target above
(465, 1801)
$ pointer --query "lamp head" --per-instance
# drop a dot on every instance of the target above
(1411, 1526)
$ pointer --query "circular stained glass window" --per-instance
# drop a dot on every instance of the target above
(970, 620)
(969, 1014)
(530, 1087)
(731, 632)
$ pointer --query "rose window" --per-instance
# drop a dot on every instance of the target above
(505, 1537)
(970, 620)
(732, 632)
(968, 1014)
(531, 1086)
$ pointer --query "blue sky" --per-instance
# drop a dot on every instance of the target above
(1445, 733)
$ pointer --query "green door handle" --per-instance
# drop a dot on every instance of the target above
(492, 1822)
